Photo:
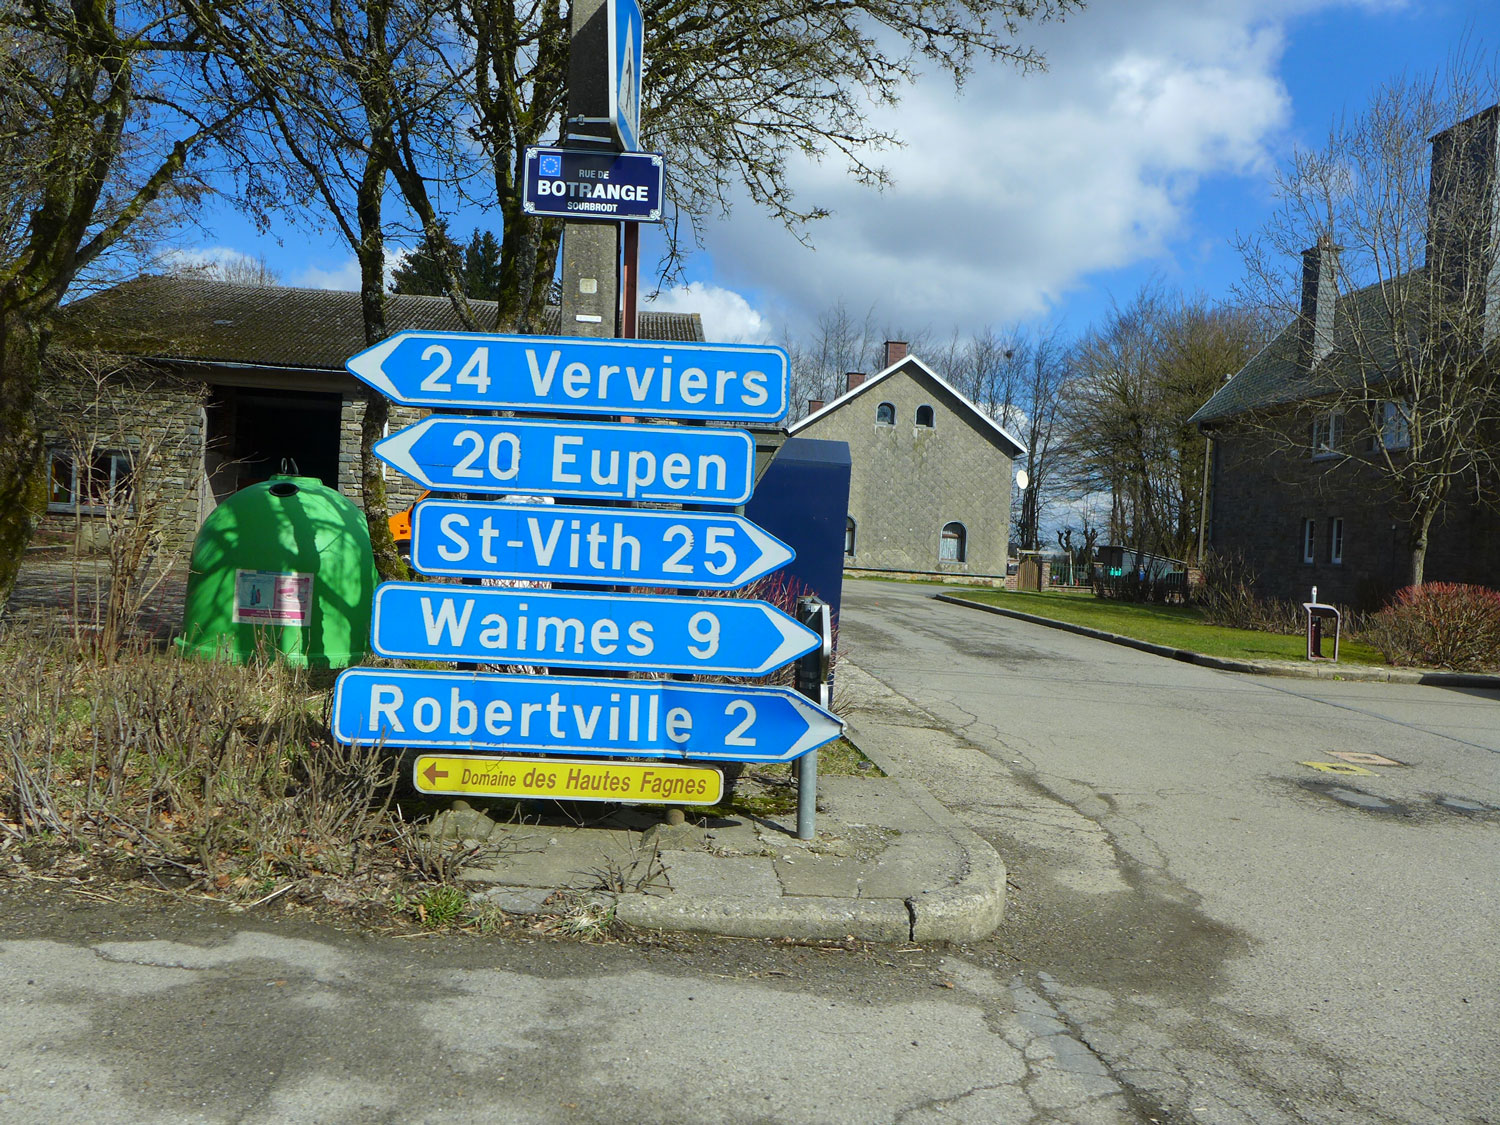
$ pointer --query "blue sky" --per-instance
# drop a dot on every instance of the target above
(1035, 200)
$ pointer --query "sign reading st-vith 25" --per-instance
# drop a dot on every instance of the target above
(544, 714)
(635, 547)
(657, 379)
(593, 459)
(578, 184)
(432, 621)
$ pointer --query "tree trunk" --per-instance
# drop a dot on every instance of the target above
(23, 464)
(1421, 529)
(371, 254)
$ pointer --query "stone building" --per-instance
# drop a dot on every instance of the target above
(930, 479)
(217, 385)
(1300, 488)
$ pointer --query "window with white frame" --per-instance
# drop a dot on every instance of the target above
(924, 416)
(1309, 540)
(1327, 434)
(953, 546)
(885, 414)
(1336, 540)
(104, 480)
(849, 536)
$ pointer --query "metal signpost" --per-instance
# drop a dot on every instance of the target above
(598, 460)
(581, 184)
(625, 546)
(467, 721)
(578, 375)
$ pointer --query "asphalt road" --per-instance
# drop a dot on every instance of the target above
(1239, 936)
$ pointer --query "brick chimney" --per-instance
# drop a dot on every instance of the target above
(814, 405)
(895, 351)
(853, 379)
(1461, 219)
(1320, 265)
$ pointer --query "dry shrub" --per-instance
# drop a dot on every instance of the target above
(1441, 625)
(1228, 598)
(223, 772)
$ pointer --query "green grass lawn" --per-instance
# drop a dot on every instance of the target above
(1177, 626)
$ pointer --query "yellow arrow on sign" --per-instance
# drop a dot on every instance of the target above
(563, 779)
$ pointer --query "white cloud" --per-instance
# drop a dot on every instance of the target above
(343, 276)
(1009, 196)
(727, 316)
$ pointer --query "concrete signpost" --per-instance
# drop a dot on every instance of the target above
(470, 719)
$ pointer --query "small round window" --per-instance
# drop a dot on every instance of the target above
(885, 414)
(924, 416)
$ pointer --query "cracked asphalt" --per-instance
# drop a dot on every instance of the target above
(1199, 930)
(1238, 936)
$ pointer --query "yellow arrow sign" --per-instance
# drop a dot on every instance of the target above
(563, 779)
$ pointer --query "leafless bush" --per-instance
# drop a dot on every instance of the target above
(1229, 598)
(226, 773)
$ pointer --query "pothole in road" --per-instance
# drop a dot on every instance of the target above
(1464, 806)
(1355, 798)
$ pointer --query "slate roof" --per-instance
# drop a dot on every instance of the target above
(981, 419)
(1274, 377)
(311, 329)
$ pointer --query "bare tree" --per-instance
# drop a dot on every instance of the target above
(1407, 355)
(100, 117)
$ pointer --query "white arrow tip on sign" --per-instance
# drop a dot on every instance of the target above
(774, 554)
(795, 638)
(822, 726)
(396, 452)
(367, 366)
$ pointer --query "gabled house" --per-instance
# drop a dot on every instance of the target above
(1317, 448)
(930, 477)
(228, 381)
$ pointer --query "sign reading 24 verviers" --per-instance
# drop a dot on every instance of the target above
(632, 547)
(553, 714)
(573, 375)
(688, 464)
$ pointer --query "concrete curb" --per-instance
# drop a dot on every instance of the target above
(967, 911)
(974, 907)
(1355, 672)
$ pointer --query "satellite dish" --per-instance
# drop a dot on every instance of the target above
(1022, 480)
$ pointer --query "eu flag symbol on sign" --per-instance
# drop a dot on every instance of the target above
(551, 166)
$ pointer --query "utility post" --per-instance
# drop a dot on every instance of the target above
(590, 250)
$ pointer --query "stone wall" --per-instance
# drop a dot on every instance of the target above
(155, 419)
(1267, 484)
(908, 481)
(401, 491)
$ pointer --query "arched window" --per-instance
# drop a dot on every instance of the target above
(885, 414)
(924, 416)
(954, 546)
(849, 536)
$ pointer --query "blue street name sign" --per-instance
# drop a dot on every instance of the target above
(635, 547)
(542, 714)
(661, 379)
(627, 34)
(576, 184)
(601, 461)
(431, 621)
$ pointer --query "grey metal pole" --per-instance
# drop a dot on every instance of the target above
(590, 250)
(812, 681)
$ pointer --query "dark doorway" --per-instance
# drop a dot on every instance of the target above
(251, 432)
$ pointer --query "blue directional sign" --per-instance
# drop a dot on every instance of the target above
(634, 547)
(572, 375)
(627, 34)
(544, 714)
(434, 621)
(687, 464)
(579, 184)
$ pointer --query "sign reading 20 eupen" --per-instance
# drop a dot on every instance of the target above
(486, 713)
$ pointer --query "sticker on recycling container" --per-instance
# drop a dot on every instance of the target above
(272, 597)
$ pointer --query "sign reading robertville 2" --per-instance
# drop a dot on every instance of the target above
(464, 720)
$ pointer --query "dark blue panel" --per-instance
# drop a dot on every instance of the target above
(803, 500)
